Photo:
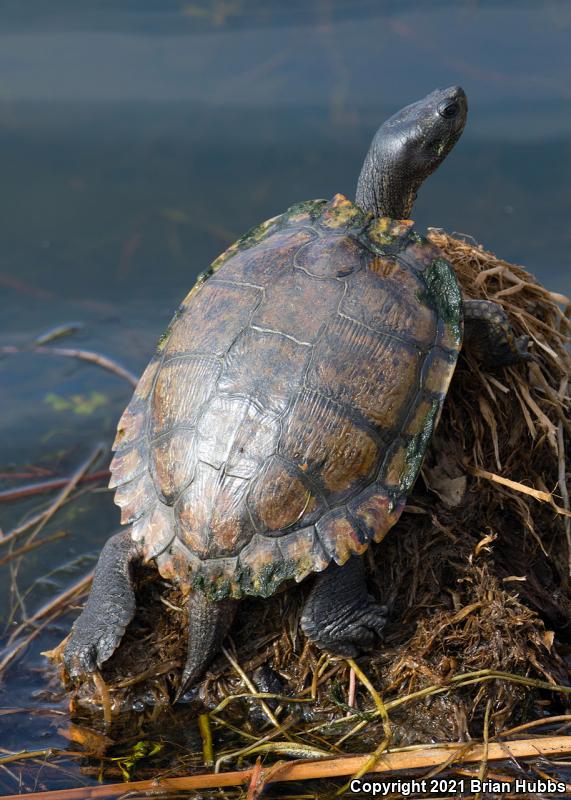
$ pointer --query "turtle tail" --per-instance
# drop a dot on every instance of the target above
(208, 624)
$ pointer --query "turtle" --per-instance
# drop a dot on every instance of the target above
(284, 418)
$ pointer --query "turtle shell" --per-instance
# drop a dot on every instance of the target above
(285, 415)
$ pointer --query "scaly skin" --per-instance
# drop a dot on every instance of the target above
(339, 614)
(489, 335)
(110, 607)
(407, 148)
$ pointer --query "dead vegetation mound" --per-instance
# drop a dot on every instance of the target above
(476, 574)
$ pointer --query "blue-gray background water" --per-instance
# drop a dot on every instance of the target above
(139, 138)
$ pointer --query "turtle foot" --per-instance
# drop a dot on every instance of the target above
(91, 643)
(110, 607)
(489, 335)
(340, 615)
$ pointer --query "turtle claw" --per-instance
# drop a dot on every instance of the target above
(89, 648)
(79, 660)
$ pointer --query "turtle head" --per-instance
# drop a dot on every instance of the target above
(407, 148)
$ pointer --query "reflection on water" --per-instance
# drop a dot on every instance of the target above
(139, 140)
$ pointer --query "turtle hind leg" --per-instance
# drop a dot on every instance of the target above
(339, 614)
(110, 607)
(489, 335)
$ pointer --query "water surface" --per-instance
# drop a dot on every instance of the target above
(139, 139)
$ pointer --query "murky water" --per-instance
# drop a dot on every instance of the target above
(139, 139)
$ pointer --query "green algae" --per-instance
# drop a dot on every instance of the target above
(443, 293)
(417, 448)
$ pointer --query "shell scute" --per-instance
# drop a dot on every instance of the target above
(183, 385)
(328, 444)
(127, 464)
(213, 320)
(131, 426)
(418, 254)
(193, 509)
(390, 303)
(217, 426)
(173, 462)
(261, 566)
(387, 232)
(255, 441)
(266, 366)
(375, 512)
(340, 213)
(304, 552)
(340, 536)
(136, 497)
(287, 299)
(155, 531)
(356, 366)
(280, 497)
(271, 257)
(230, 525)
(211, 514)
(334, 256)
(438, 370)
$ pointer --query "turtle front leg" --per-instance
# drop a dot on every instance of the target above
(489, 335)
(110, 607)
(339, 614)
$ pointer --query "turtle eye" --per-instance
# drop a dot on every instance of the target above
(449, 110)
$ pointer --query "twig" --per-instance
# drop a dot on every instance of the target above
(392, 761)
(83, 355)
(317, 672)
(152, 672)
(260, 696)
(105, 697)
(249, 685)
(68, 488)
(373, 759)
(31, 489)
(44, 616)
(456, 682)
(256, 784)
(58, 333)
(45, 516)
(55, 604)
(266, 745)
(25, 755)
(351, 690)
(20, 551)
(486, 747)
(535, 724)
(545, 497)
(206, 734)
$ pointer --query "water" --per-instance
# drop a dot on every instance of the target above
(139, 139)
